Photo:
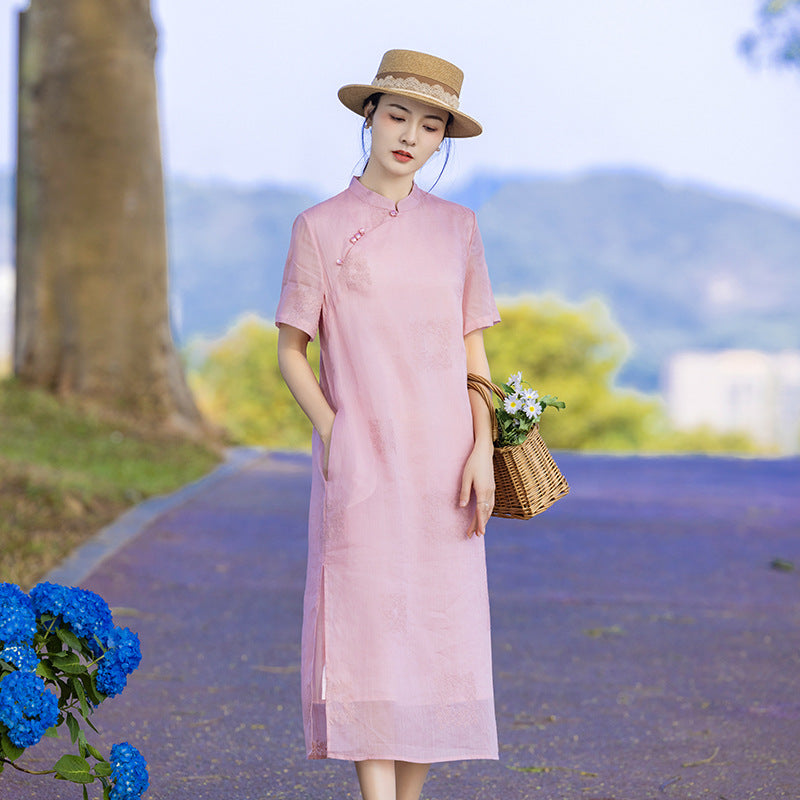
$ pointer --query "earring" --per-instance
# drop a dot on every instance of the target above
(438, 149)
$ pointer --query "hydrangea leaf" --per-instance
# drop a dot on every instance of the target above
(95, 753)
(44, 670)
(92, 694)
(82, 743)
(72, 669)
(65, 661)
(74, 768)
(73, 726)
(77, 687)
(63, 688)
(69, 638)
(11, 751)
(102, 769)
(91, 725)
(68, 662)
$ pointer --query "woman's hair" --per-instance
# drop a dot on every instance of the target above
(374, 98)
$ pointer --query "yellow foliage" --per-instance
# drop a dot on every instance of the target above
(239, 386)
(573, 352)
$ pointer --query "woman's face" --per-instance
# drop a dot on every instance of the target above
(405, 134)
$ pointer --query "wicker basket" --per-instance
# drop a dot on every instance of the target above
(527, 480)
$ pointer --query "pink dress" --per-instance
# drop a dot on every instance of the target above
(396, 657)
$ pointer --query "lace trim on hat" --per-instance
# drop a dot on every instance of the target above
(416, 85)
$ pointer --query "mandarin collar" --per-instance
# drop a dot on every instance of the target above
(379, 201)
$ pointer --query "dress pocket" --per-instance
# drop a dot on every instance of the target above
(332, 451)
(351, 465)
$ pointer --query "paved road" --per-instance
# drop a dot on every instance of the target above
(643, 646)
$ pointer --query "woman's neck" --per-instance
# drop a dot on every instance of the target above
(391, 187)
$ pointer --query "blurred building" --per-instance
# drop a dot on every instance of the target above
(6, 316)
(738, 390)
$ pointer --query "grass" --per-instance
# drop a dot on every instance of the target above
(66, 472)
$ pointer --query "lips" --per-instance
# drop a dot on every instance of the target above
(402, 155)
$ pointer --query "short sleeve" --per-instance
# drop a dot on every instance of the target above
(478, 305)
(302, 290)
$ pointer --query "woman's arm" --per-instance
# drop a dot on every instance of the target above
(478, 473)
(303, 384)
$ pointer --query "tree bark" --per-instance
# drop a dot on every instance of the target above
(92, 303)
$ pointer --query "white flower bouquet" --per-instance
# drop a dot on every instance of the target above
(520, 410)
(527, 480)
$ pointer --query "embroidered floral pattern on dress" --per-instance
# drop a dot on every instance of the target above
(461, 714)
(432, 507)
(335, 521)
(355, 273)
(438, 508)
(432, 344)
(455, 686)
(382, 436)
(303, 300)
(464, 716)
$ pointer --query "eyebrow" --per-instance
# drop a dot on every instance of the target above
(403, 108)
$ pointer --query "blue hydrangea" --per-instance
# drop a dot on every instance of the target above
(88, 615)
(22, 656)
(84, 612)
(27, 709)
(120, 660)
(49, 598)
(17, 617)
(128, 772)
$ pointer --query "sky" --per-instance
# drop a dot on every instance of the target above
(248, 89)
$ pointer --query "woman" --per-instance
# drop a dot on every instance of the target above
(396, 659)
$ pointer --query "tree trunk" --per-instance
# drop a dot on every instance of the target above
(92, 305)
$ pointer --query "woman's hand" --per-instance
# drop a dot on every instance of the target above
(326, 453)
(303, 384)
(479, 470)
(479, 477)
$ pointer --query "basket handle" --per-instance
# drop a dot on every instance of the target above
(485, 388)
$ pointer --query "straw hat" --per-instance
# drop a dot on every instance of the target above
(422, 77)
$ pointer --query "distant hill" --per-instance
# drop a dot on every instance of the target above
(680, 267)
(227, 251)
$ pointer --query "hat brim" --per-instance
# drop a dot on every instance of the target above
(354, 95)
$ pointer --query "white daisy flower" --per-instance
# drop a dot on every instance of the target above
(532, 410)
(529, 395)
(515, 380)
(512, 404)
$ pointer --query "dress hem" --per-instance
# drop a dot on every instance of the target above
(416, 760)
